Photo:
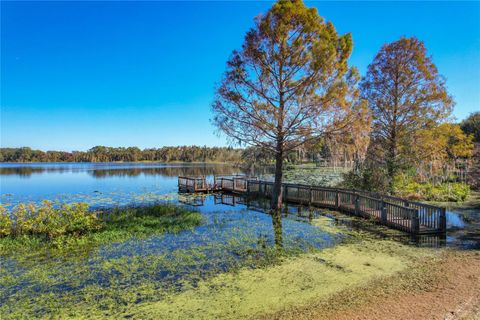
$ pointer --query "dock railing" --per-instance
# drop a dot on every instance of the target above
(192, 184)
(236, 183)
(402, 214)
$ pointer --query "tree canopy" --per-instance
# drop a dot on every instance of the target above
(288, 85)
(406, 94)
(471, 125)
(130, 154)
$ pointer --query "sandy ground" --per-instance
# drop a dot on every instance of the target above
(453, 292)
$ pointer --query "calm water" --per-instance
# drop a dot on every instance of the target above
(119, 184)
(232, 234)
(99, 184)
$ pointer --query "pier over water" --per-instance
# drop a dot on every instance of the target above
(409, 216)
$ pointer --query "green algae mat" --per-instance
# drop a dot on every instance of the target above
(224, 265)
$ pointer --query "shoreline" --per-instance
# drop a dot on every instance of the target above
(444, 287)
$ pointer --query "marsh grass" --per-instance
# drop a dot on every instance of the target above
(75, 228)
(312, 175)
(140, 255)
(144, 263)
(47, 220)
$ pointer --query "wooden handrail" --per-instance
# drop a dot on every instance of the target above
(400, 213)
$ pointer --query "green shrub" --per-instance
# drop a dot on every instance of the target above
(48, 220)
(407, 187)
(367, 178)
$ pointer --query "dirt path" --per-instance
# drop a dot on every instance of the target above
(451, 291)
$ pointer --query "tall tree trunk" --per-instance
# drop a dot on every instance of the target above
(276, 201)
(277, 230)
(392, 165)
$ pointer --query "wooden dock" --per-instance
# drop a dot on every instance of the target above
(409, 216)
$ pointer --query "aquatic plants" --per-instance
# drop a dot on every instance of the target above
(143, 259)
(74, 226)
(48, 220)
(106, 273)
(294, 282)
(406, 186)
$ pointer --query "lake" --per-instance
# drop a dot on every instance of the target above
(234, 233)
(104, 185)
(229, 236)
(99, 184)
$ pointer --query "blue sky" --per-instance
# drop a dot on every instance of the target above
(79, 74)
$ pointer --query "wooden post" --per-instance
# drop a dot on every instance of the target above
(357, 204)
(443, 220)
(337, 199)
(310, 197)
(285, 193)
(383, 212)
(415, 222)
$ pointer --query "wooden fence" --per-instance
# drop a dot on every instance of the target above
(192, 184)
(237, 183)
(409, 216)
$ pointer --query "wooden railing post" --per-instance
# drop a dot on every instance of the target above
(383, 212)
(357, 204)
(310, 197)
(337, 199)
(285, 192)
(415, 223)
(443, 220)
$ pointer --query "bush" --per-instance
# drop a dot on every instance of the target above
(407, 187)
(48, 220)
(366, 178)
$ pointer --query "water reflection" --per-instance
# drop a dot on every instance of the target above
(456, 236)
(129, 170)
(99, 184)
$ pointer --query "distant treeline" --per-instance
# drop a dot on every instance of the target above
(130, 154)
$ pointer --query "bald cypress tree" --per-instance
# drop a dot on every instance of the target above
(288, 85)
(405, 93)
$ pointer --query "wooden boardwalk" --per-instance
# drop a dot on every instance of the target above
(409, 216)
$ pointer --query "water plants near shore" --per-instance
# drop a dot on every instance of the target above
(208, 261)
(141, 255)
(66, 226)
